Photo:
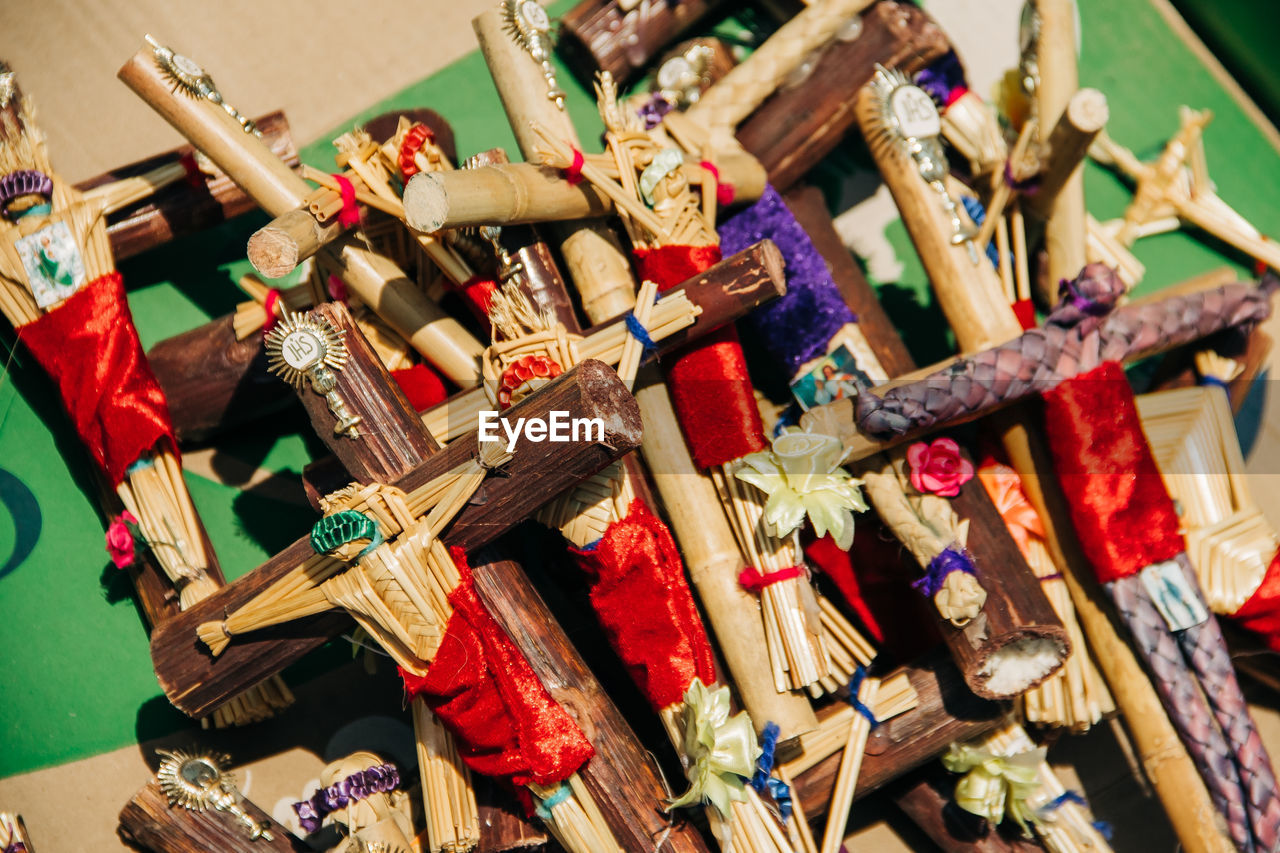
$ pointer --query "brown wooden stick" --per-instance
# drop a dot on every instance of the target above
(947, 712)
(723, 293)
(799, 125)
(1064, 233)
(1083, 119)
(180, 207)
(195, 681)
(373, 278)
(213, 381)
(150, 822)
(593, 257)
(624, 38)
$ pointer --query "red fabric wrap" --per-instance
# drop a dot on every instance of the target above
(88, 345)
(641, 597)
(710, 387)
(573, 174)
(1025, 311)
(1261, 613)
(350, 213)
(1122, 513)
(421, 385)
(478, 293)
(484, 691)
(269, 309)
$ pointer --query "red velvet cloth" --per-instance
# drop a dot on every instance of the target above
(88, 345)
(421, 385)
(1261, 613)
(640, 595)
(710, 387)
(481, 687)
(835, 564)
(478, 292)
(1122, 513)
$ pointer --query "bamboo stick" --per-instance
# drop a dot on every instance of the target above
(373, 278)
(1064, 232)
(850, 764)
(1081, 121)
(593, 258)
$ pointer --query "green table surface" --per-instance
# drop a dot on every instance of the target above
(75, 654)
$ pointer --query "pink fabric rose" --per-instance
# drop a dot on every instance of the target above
(120, 543)
(938, 468)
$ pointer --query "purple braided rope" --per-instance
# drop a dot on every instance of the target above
(1071, 342)
(1207, 653)
(378, 779)
(23, 182)
(1185, 704)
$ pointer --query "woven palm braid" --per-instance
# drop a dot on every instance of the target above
(1185, 704)
(1207, 653)
(1041, 358)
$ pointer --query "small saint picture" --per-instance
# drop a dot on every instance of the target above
(52, 260)
(835, 376)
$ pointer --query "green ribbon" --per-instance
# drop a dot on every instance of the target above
(333, 531)
(996, 787)
(721, 750)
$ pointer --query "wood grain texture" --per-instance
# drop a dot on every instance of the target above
(948, 711)
(600, 35)
(148, 821)
(185, 206)
(196, 682)
(799, 125)
(622, 778)
(214, 382)
(391, 441)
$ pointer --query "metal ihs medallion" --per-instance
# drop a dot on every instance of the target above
(910, 116)
(187, 76)
(527, 22)
(302, 348)
(199, 781)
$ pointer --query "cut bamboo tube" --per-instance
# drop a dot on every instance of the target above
(850, 764)
(592, 256)
(1064, 230)
(930, 230)
(378, 282)
(712, 558)
(744, 88)
(1081, 122)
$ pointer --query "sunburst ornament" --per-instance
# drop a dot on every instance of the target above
(200, 781)
(187, 76)
(528, 24)
(303, 348)
(909, 115)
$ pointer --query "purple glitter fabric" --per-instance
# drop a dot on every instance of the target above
(941, 77)
(357, 786)
(798, 326)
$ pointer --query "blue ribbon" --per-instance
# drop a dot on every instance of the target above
(978, 214)
(855, 684)
(764, 764)
(1103, 828)
(637, 330)
(935, 574)
(1214, 381)
(560, 794)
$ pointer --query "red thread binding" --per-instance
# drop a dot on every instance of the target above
(269, 308)
(89, 347)
(350, 213)
(641, 598)
(191, 171)
(752, 580)
(573, 174)
(1122, 513)
(484, 691)
(725, 192)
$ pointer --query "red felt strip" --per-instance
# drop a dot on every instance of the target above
(350, 214)
(88, 345)
(422, 385)
(642, 599)
(710, 387)
(1122, 513)
(752, 580)
(478, 293)
(484, 691)
(269, 309)
(1261, 613)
